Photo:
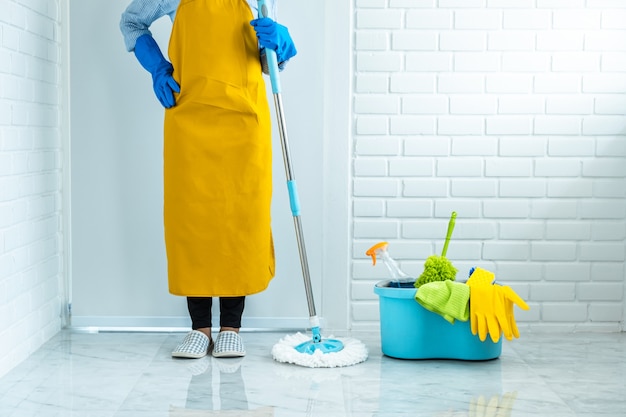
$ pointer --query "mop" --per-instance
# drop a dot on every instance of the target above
(300, 349)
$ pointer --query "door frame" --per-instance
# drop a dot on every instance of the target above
(66, 180)
(335, 300)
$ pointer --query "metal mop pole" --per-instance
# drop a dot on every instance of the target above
(294, 202)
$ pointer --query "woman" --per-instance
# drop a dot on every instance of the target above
(217, 155)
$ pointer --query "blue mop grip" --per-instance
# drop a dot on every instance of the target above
(294, 201)
(317, 334)
(270, 54)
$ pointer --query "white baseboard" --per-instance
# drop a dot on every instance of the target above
(175, 324)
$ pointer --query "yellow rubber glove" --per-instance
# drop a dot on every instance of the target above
(492, 307)
(487, 312)
(481, 276)
(508, 298)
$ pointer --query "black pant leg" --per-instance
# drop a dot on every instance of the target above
(231, 310)
(200, 311)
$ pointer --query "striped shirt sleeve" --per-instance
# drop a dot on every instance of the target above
(140, 14)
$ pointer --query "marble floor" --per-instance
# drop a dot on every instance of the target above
(132, 375)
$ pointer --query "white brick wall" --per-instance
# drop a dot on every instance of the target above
(513, 114)
(30, 177)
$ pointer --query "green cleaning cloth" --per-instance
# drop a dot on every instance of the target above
(447, 298)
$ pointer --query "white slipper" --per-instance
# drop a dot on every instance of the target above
(195, 345)
(228, 344)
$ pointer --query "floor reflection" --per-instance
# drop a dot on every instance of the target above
(217, 388)
(133, 375)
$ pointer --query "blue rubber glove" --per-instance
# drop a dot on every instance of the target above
(274, 36)
(150, 57)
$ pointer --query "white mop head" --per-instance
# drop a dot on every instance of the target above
(353, 352)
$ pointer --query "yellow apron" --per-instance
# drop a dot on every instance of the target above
(217, 155)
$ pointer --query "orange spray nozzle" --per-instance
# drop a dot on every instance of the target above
(382, 246)
(380, 249)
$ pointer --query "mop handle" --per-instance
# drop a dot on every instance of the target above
(270, 54)
(272, 63)
(294, 202)
(449, 234)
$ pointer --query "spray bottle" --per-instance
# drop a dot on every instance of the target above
(399, 278)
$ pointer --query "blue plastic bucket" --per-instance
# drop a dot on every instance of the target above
(409, 331)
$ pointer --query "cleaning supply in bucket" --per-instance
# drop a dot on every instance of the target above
(492, 307)
(447, 298)
(399, 278)
(301, 350)
(439, 268)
